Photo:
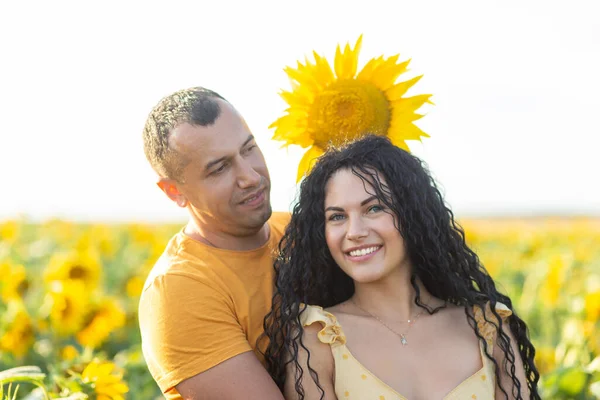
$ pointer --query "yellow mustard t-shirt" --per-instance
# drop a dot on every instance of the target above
(201, 305)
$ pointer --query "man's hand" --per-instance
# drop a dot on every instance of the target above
(240, 377)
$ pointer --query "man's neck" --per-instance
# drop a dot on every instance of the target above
(225, 240)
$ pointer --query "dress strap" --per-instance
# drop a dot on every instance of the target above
(332, 331)
(487, 321)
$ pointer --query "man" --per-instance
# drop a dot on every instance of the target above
(202, 307)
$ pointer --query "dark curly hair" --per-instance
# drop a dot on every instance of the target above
(197, 106)
(307, 274)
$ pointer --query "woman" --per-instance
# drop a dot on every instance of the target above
(379, 297)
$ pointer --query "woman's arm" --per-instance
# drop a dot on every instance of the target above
(321, 361)
(505, 377)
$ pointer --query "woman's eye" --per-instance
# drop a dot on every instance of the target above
(375, 208)
(336, 217)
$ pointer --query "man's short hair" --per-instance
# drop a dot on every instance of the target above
(196, 106)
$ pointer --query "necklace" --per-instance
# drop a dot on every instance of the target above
(402, 336)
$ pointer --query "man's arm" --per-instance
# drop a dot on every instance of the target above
(193, 342)
(240, 377)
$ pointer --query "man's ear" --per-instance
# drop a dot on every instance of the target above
(169, 186)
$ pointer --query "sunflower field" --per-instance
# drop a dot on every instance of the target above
(69, 295)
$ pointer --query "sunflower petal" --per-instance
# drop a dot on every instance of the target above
(297, 76)
(399, 89)
(406, 132)
(366, 73)
(386, 73)
(403, 118)
(90, 371)
(291, 129)
(296, 99)
(322, 71)
(307, 161)
(399, 142)
(105, 369)
(346, 63)
(412, 103)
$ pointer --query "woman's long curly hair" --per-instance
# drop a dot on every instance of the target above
(435, 243)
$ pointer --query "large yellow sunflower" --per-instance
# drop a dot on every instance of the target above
(84, 266)
(106, 318)
(67, 303)
(329, 107)
(14, 283)
(19, 336)
(106, 380)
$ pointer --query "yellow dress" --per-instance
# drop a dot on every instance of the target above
(354, 381)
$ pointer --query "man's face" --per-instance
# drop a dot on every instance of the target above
(226, 181)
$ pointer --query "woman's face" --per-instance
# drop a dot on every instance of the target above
(360, 231)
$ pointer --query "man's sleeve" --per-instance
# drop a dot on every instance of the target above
(187, 327)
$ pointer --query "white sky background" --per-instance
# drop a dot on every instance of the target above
(515, 129)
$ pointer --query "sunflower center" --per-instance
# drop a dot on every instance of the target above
(346, 110)
(77, 272)
(22, 288)
(68, 310)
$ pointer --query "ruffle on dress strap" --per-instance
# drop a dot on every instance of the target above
(332, 331)
(487, 328)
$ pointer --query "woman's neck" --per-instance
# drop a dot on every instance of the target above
(392, 298)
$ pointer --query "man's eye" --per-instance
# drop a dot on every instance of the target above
(219, 170)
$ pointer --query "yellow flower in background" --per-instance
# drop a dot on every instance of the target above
(106, 380)
(67, 302)
(134, 286)
(69, 353)
(538, 262)
(61, 231)
(545, 359)
(141, 234)
(9, 231)
(98, 237)
(107, 318)
(592, 306)
(550, 291)
(84, 266)
(4, 269)
(19, 336)
(13, 281)
(333, 106)
(148, 237)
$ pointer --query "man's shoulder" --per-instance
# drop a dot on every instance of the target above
(183, 260)
(279, 220)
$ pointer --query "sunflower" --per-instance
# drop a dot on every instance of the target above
(69, 353)
(67, 303)
(329, 107)
(108, 317)
(134, 286)
(98, 237)
(9, 231)
(592, 306)
(84, 266)
(19, 336)
(106, 380)
(13, 282)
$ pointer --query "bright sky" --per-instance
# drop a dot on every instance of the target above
(514, 129)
